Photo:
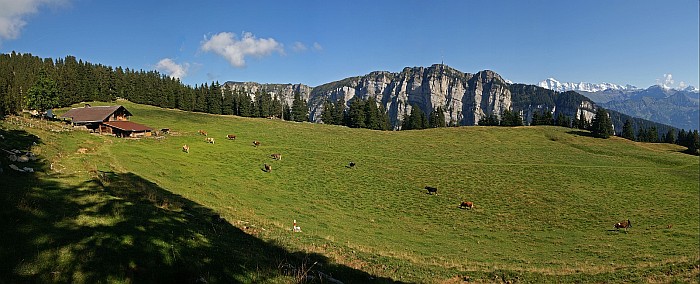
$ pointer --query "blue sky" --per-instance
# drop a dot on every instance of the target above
(636, 42)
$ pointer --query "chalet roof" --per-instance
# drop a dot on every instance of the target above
(127, 126)
(92, 114)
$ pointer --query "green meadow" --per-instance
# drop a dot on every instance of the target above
(105, 209)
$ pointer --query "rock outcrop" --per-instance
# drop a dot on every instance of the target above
(283, 92)
(464, 97)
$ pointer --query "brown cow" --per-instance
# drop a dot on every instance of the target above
(210, 140)
(231, 137)
(624, 225)
(202, 132)
(256, 143)
(185, 148)
(467, 205)
(277, 156)
(268, 168)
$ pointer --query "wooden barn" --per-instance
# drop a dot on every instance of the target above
(107, 119)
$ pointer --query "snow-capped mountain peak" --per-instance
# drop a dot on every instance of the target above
(553, 84)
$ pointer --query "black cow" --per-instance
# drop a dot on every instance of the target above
(431, 189)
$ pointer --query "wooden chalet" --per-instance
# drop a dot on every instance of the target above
(107, 119)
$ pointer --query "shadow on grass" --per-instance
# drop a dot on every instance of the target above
(120, 227)
(581, 133)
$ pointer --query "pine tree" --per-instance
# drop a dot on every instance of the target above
(563, 120)
(227, 104)
(384, 119)
(694, 143)
(440, 117)
(547, 118)
(601, 124)
(339, 116)
(653, 134)
(372, 114)
(356, 113)
(628, 130)
(328, 111)
(417, 119)
(670, 136)
(300, 111)
(535, 118)
(642, 134)
(582, 122)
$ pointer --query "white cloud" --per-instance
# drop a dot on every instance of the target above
(666, 81)
(13, 13)
(299, 47)
(235, 51)
(317, 46)
(168, 66)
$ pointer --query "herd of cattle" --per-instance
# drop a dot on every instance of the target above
(256, 143)
(430, 190)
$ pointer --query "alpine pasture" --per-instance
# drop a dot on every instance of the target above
(546, 199)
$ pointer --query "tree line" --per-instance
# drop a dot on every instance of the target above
(67, 81)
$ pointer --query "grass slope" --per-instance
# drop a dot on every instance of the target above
(546, 200)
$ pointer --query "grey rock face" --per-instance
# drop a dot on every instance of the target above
(464, 97)
(283, 92)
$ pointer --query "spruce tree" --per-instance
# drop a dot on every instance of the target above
(372, 114)
(535, 118)
(440, 117)
(356, 113)
(628, 130)
(384, 119)
(670, 136)
(328, 111)
(601, 125)
(694, 142)
(300, 111)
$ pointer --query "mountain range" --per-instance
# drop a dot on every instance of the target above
(465, 98)
(676, 107)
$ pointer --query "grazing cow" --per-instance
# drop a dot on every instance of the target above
(256, 143)
(185, 148)
(624, 225)
(268, 168)
(431, 189)
(351, 165)
(277, 156)
(202, 132)
(467, 205)
(210, 140)
(231, 137)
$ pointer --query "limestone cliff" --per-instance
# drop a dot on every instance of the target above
(283, 92)
(464, 97)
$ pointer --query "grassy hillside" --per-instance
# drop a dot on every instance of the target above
(546, 200)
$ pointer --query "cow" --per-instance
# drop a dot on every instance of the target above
(202, 132)
(624, 225)
(467, 205)
(231, 137)
(351, 165)
(268, 168)
(210, 140)
(256, 143)
(185, 148)
(431, 189)
(277, 156)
